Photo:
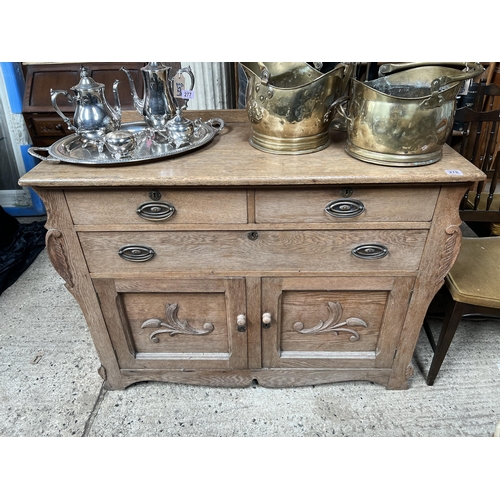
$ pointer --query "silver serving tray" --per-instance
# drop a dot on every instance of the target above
(73, 150)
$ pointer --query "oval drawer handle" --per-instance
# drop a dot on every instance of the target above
(155, 210)
(370, 251)
(345, 208)
(136, 253)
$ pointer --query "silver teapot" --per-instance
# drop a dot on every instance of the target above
(93, 117)
(158, 104)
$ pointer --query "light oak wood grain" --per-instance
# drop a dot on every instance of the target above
(205, 305)
(259, 279)
(412, 203)
(274, 251)
(229, 160)
(209, 206)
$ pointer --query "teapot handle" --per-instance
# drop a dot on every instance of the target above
(53, 99)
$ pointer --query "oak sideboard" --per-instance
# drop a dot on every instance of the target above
(287, 270)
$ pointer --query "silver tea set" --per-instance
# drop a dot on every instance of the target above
(97, 123)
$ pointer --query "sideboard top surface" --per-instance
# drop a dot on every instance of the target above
(229, 160)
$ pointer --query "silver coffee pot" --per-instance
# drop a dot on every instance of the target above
(94, 117)
(158, 104)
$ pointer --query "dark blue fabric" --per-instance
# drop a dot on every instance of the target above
(20, 244)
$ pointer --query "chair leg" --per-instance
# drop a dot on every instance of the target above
(454, 313)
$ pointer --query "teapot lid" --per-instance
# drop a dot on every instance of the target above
(179, 124)
(86, 82)
(155, 66)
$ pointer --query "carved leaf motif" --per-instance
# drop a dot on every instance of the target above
(355, 322)
(174, 325)
(334, 316)
(335, 313)
(154, 322)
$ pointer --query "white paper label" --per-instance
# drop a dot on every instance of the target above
(454, 172)
(179, 84)
(187, 94)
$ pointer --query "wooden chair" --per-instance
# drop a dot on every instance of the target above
(480, 145)
(472, 286)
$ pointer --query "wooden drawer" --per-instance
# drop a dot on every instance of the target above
(48, 126)
(242, 251)
(366, 204)
(190, 206)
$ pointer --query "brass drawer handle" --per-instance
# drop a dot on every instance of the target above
(370, 251)
(345, 208)
(136, 253)
(155, 210)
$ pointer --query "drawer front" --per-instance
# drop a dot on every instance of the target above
(164, 206)
(48, 126)
(327, 205)
(263, 251)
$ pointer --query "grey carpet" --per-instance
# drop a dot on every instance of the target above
(49, 386)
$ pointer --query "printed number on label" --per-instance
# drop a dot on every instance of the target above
(187, 94)
(454, 172)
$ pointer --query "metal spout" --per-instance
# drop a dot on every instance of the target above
(138, 103)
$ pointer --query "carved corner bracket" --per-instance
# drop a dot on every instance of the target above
(450, 252)
(54, 241)
(173, 325)
(333, 324)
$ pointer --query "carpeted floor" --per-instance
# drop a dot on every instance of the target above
(49, 386)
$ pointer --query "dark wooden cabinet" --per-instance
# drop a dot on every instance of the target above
(45, 126)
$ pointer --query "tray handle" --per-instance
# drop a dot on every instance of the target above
(32, 152)
(216, 123)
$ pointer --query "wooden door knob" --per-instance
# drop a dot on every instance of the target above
(241, 321)
(266, 320)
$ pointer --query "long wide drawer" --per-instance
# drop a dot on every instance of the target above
(165, 206)
(262, 251)
(335, 204)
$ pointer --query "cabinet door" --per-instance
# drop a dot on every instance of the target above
(175, 323)
(338, 322)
